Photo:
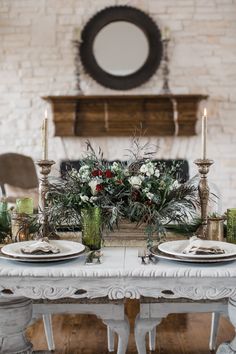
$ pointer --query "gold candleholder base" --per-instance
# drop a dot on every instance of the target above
(204, 191)
(45, 169)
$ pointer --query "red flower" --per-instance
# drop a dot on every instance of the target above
(99, 187)
(108, 174)
(96, 173)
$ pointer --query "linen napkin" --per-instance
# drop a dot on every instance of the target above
(200, 247)
(40, 247)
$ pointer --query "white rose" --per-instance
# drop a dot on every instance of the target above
(135, 181)
(93, 184)
(157, 172)
(84, 198)
(175, 185)
(143, 168)
(147, 169)
(85, 176)
(93, 199)
(150, 195)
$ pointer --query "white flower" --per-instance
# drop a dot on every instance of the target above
(146, 190)
(93, 199)
(83, 169)
(84, 173)
(93, 184)
(148, 169)
(175, 185)
(157, 172)
(136, 181)
(84, 198)
(73, 172)
(150, 195)
(115, 167)
(126, 172)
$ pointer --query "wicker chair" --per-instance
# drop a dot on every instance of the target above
(17, 170)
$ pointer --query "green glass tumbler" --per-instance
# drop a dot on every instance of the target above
(92, 228)
(231, 225)
(5, 219)
(24, 206)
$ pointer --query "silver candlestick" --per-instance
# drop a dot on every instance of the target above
(165, 70)
(45, 169)
(204, 192)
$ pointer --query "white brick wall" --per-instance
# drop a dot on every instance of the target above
(37, 59)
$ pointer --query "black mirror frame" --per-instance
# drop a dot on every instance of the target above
(138, 18)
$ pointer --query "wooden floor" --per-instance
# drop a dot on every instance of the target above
(85, 334)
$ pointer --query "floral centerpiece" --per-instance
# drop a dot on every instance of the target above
(143, 192)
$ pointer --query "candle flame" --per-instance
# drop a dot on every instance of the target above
(46, 113)
(205, 112)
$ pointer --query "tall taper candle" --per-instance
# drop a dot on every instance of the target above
(204, 134)
(45, 136)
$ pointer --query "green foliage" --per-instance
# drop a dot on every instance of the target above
(143, 192)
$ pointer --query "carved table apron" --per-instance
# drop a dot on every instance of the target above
(119, 276)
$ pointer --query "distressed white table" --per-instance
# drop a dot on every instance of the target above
(120, 276)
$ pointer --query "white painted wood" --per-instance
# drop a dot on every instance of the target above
(110, 339)
(230, 348)
(122, 329)
(214, 329)
(152, 311)
(15, 315)
(141, 328)
(110, 313)
(120, 276)
(152, 339)
(47, 322)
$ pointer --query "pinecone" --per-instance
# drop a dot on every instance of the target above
(134, 167)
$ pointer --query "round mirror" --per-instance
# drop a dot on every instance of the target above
(121, 47)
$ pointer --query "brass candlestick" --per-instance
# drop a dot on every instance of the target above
(45, 169)
(204, 191)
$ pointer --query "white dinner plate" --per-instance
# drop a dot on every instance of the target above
(158, 254)
(176, 248)
(41, 260)
(67, 249)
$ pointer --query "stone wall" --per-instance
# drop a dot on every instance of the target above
(37, 59)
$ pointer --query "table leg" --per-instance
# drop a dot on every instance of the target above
(110, 339)
(15, 315)
(122, 328)
(230, 348)
(215, 318)
(142, 327)
(152, 339)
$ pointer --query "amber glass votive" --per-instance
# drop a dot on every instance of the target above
(20, 227)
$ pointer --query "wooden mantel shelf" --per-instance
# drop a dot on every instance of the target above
(120, 115)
